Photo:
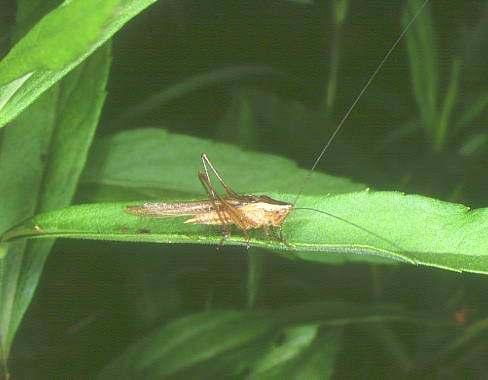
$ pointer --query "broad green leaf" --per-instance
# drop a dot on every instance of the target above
(41, 159)
(153, 159)
(55, 45)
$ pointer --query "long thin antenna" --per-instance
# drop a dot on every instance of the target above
(372, 233)
(356, 100)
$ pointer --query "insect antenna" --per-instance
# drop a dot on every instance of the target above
(356, 100)
(340, 125)
(372, 233)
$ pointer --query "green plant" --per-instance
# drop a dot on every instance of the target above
(296, 316)
(437, 106)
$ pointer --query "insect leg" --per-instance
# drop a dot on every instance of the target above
(227, 189)
(236, 216)
(213, 198)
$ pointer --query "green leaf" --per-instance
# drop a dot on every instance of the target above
(448, 106)
(385, 225)
(187, 342)
(232, 342)
(239, 123)
(306, 353)
(3, 250)
(193, 83)
(474, 110)
(57, 44)
(255, 274)
(474, 144)
(475, 331)
(295, 340)
(41, 159)
(341, 8)
(8, 90)
(424, 63)
(155, 161)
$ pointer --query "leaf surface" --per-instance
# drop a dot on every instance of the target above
(155, 162)
(59, 42)
(42, 157)
(373, 226)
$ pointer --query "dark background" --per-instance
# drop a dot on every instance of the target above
(95, 298)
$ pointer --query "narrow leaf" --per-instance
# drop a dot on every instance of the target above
(193, 83)
(448, 106)
(230, 342)
(424, 65)
(306, 353)
(42, 156)
(408, 228)
(473, 111)
(474, 144)
(187, 342)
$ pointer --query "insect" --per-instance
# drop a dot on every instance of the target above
(247, 212)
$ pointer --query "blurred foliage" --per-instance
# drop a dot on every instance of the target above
(437, 110)
(274, 78)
